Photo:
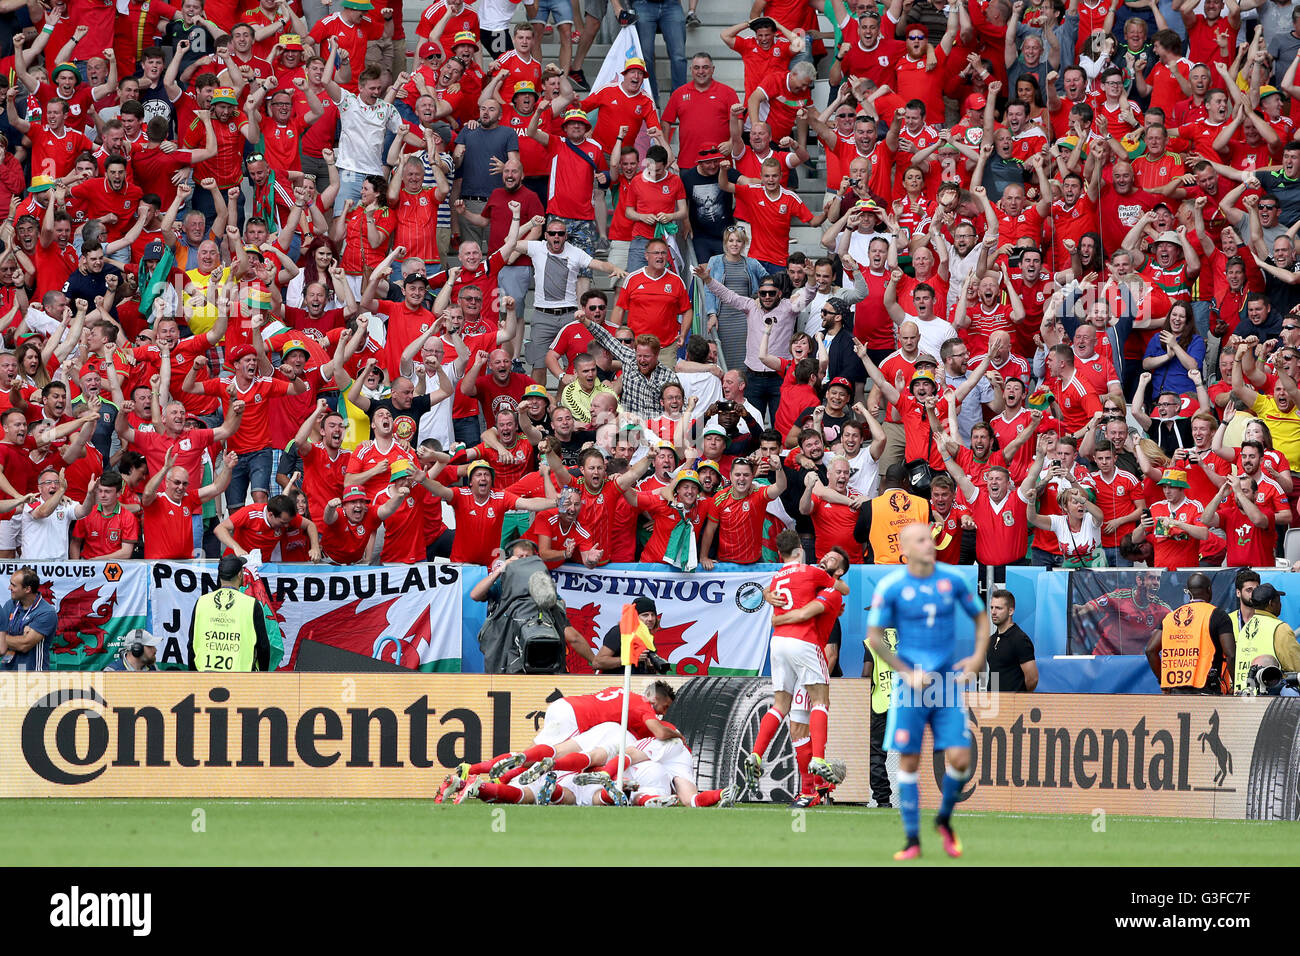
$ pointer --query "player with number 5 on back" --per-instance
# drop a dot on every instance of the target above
(920, 601)
(798, 660)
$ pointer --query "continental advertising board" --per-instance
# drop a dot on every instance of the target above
(395, 735)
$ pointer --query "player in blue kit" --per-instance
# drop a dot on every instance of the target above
(920, 601)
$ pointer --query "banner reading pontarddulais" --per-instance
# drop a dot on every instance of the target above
(711, 623)
(99, 604)
(406, 615)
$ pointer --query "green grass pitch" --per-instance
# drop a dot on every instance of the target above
(146, 832)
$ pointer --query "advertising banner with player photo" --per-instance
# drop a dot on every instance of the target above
(710, 623)
(1115, 611)
(405, 615)
(99, 604)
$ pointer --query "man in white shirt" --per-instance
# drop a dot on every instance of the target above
(556, 287)
(363, 120)
(46, 520)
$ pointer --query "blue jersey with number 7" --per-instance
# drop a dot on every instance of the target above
(923, 612)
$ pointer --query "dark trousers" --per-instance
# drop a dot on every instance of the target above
(706, 247)
(467, 430)
(763, 391)
(880, 791)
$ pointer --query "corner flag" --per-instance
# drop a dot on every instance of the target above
(636, 636)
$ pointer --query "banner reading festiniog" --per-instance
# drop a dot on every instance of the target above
(711, 623)
(404, 614)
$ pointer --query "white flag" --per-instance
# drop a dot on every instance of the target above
(625, 46)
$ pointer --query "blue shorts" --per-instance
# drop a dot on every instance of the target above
(560, 10)
(908, 717)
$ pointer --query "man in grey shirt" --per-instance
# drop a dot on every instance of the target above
(975, 393)
(481, 153)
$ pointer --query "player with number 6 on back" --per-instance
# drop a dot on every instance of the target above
(920, 601)
(797, 661)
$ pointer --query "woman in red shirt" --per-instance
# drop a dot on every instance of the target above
(364, 230)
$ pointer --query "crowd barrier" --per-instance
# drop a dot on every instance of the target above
(393, 735)
(421, 616)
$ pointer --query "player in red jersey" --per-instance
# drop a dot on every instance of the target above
(798, 659)
(565, 720)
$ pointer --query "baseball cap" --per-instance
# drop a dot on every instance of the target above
(153, 251)
(291, 41)
(358, 5)
(476, 466)
(463, 37)
(415, 277)
(1265, 595)
(224, 94)
(355, 493)
(239, 352)
(842, 382)
(294, 346)
(714, 430)
(976, 101)
(524, 86)
(443, 132)
(709, 153)
(1174, 478)
(536, 391)
(429, 49)
(1269, 90)
(634, 63)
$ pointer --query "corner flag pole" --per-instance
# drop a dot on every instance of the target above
(622, 722)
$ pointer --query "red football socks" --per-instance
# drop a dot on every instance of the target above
(802, 754)
(767, 730)
(706, 798)
(536, 752)
(500, 792)
(572, 763)
(817, 729)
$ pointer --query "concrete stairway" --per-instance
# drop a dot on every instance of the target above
(716, 15)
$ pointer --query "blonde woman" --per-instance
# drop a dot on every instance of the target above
(1078, 530)
(741, 275)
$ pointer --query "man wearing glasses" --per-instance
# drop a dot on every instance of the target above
(556, 267)
(574, 340)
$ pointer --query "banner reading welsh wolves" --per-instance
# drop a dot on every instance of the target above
(99, 604)
(406, 615)
(711, 623)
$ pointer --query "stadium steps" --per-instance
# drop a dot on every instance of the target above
(716, 15)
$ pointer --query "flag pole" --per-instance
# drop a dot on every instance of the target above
(622, 722)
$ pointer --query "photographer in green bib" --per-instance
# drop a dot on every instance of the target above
(228, 629)
(881, 676)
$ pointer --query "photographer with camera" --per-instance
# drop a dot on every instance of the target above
(1264, 634)
(1265, 678)
(138, 654)
(608, 659)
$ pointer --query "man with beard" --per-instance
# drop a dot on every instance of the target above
(560, 536)
(600, 495)
(829, 417)
(1279, 411)
(923, 408)
(982, 387)
(510, 454)
(480, 513)
(737, 515)
(324, 460)
(678, 505)
(1000, 510)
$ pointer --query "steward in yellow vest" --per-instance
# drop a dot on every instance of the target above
(1193, 650)
(227, 629)
(1264, 635)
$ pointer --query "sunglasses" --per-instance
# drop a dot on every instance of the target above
(551, 232)
(1271, 205)
(916, 36)
(1290, 328)
(597, 308)
(829, 312)
(769, 292)
(255, 157)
